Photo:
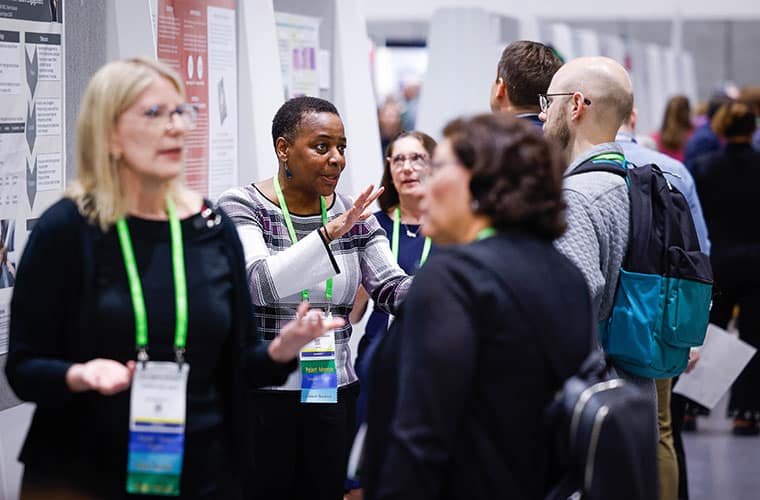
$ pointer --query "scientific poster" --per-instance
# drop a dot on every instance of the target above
(198, 39)
(32, 155)
(298, 43)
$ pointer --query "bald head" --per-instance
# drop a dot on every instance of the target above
(602, 80)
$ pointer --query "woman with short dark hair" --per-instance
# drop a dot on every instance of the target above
(303, 240)
(491, 327)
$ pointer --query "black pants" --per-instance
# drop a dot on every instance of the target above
(738, 283)
(300, 451)
(677, 411)
(208, 473)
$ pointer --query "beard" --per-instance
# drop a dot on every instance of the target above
(558, 131)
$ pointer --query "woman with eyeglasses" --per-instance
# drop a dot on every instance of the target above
(494, 323)
(305, 240)
(407, 163)
(132, 327)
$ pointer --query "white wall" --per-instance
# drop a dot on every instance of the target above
(579, 9)
(260, 89)
(457, 83)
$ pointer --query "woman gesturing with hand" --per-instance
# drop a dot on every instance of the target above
(304, 241)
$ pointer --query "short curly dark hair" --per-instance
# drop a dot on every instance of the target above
(288, 118)
(516, 173)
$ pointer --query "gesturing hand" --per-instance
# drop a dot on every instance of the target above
(358, 212)
(105, 376)
(307, 326)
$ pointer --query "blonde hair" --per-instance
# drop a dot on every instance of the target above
(111, 91)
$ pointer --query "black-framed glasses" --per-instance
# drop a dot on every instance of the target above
(544, 100)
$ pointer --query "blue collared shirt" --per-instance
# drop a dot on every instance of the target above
(679, 176)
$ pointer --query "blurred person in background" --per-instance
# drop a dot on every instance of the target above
(410, 92)
(704, 140)
(676, 128)
(728, 184)
(389, 119)
(407, 165)
(750, 94)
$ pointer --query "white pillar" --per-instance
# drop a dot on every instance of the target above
(355, 99)
(260, 90)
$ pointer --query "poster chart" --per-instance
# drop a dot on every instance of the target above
(197, 38)
(32, 156)
(298, 44)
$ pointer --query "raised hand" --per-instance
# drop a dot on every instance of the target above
(307, 326)
(358, 212)
(105, 376)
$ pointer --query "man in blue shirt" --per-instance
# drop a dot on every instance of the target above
(672, 473)
(675, 171)
(524, 71)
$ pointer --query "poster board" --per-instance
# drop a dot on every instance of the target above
(32, 145)
(298, 44)
(198, 39)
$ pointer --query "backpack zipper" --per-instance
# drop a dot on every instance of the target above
(601, 414)
(583, 400)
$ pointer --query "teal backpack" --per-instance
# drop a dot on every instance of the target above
(662, 301)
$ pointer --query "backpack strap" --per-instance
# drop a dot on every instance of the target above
(613, 163)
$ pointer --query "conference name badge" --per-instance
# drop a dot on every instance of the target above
(319, 377)
(157, 428)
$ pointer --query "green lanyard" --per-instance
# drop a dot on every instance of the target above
(394, 240)
(292, 232)
(485, 233)
(615, 158)
(135, 287)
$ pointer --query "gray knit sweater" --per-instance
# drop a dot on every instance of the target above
(597, 215)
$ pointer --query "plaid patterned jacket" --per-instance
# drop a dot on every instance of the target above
(278, 270)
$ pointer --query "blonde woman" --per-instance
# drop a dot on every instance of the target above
(131, 265)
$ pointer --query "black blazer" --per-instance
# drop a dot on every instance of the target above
(51, 310)
(459, 384)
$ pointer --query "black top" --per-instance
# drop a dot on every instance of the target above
(459, 384)
(409, 254)
(728, 184)
(72, 304)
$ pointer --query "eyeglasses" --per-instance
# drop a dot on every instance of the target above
(545, 102)
(416, 160)
(160, 116)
